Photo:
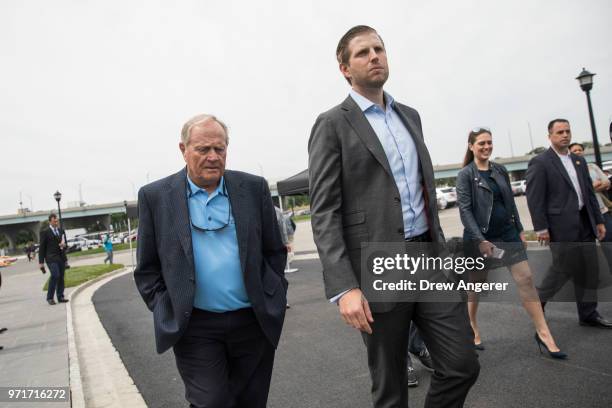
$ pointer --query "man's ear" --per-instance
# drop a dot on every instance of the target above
(182, 147)
(344, 70)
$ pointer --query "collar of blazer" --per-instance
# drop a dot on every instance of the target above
(556, 161)
(357, 120)
(177, 200)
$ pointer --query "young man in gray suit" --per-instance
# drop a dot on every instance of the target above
(210, 268)
(371, 180)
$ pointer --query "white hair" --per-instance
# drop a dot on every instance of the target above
(198, 120)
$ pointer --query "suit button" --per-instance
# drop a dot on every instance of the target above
(192, 279)
(400, 230)
(397, 199)
(187, 314)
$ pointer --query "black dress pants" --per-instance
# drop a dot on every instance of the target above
(578, 262)
(445, 328)
(225, 360)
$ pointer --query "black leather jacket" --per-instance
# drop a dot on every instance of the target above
(475, 199)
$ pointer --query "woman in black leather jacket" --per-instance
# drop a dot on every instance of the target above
(491, 222)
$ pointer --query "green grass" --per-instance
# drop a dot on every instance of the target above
(301, 218)
(79, 274)
(116, 247)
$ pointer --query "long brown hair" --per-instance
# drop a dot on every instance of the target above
(469, 155)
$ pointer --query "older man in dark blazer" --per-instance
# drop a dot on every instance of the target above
(210, 268)
(565, 212)
(371, 180)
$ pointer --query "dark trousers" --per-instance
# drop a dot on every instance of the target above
(56, 280)
(445, 328)
(576, 261)
(225, 360)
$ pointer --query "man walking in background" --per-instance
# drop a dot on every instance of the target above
(108, 248)
(51, 251)
(565, 212)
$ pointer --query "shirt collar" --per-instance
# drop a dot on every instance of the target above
(365, 104)
(562, 156)
(193, 189)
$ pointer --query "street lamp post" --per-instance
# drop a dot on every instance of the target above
(58, 198)
(125, 204)
(586, 84)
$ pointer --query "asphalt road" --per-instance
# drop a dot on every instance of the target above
(321, 362)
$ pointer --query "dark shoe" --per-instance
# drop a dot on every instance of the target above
(480, 346)
(597, 322)
(425, 359)
(51, 302)
(554, 354)
(63, 300)
(412, 378)
(2, 330)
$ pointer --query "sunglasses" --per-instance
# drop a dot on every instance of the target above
(481, 130)
(205, 229)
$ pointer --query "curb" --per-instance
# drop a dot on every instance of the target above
(108, 392)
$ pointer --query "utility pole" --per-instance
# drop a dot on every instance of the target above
(511, 148)
(530, 136)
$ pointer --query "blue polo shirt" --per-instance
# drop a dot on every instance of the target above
(218, 274)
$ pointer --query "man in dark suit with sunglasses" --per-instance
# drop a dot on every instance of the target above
(210, 268)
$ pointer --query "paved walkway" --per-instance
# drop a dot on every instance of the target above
(35, 350)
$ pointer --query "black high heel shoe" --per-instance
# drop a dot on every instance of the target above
(554, 354)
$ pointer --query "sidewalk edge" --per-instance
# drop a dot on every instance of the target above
(77, 397)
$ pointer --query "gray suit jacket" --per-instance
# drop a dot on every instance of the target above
(165, 274)
(552, 200)
(353, 197)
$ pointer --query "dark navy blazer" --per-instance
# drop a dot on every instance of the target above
(552, 200)
(165, 273)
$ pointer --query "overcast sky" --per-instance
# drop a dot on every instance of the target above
(94, 93)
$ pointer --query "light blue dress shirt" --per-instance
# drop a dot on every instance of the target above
(403, 160)
(218, 274)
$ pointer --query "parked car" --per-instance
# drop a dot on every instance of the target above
(519, 187)
(446, 196)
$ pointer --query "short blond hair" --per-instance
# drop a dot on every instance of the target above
(198, 120)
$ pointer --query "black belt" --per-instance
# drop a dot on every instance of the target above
(424, 237)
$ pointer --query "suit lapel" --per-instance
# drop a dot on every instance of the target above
(577, 163)
(362, 127)
(236, 194)
(177, 200)
(556, 161)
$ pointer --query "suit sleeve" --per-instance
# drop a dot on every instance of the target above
(274, 251)
(147, 275)
(325, 178)
(466, 212)
(537, 193)
(42, 250)
(515, 212)
(591, 194)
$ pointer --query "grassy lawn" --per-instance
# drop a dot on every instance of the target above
(116, 247)
(301, 218)
(79, 274)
